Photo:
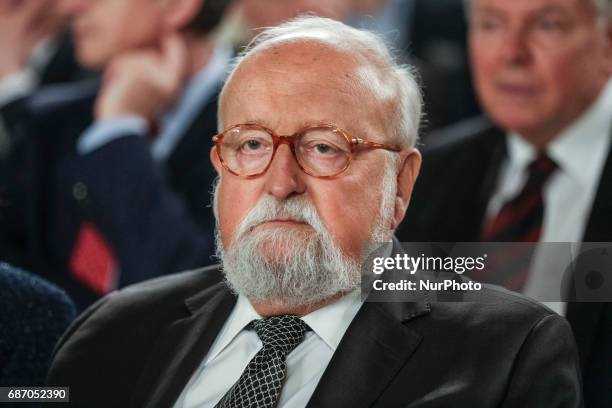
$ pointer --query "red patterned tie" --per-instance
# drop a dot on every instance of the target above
(519, 220)
(92, 261)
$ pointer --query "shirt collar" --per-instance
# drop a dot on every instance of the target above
(242, 314)
(580, 149)
(329, 323)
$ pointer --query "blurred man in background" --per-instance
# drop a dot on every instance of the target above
(539, 168)
(36, 52)
(116, 174)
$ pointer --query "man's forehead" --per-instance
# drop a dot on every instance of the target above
(314, 65)
(309, 55)
(296, 69)
(316, 81)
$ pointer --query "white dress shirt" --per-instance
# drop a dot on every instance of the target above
(236, 345)
(580, 152)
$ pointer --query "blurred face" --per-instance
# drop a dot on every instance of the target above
(537, 64)
(104, 29)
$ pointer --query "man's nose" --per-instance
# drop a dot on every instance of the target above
(515, 48)
(284, 177)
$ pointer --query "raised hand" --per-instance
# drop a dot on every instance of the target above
(144, 82)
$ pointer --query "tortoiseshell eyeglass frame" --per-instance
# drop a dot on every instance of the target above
(353, 142)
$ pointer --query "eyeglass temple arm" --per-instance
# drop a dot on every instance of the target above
(375, 145)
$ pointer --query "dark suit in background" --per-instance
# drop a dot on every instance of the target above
(61, 68)
(156, 218)
(459, 174)
(436, 43)
(33, 316)
(146, 341)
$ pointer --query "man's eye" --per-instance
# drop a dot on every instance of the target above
(487, 24)
(323, 148)
(550, 25)
(251, 145)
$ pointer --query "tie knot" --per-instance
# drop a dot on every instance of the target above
(282, 333)
(540, 169)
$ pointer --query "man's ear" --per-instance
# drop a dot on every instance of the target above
(178, 14)
(216, 161)
(410, 164)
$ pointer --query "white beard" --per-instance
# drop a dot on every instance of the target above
(295, 266)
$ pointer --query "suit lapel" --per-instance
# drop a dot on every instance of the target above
(375, 347)
(492, 151)
(600, 220)
(182, 347)
(584, 316)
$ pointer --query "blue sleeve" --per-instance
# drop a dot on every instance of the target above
(103, 132)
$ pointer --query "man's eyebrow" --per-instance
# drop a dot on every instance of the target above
(552, 9)
(300, 125)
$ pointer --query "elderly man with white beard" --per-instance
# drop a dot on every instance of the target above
(316, 164)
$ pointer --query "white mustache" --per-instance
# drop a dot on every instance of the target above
(297, 209)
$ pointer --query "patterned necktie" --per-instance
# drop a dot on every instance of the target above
(519, 220)
(261, 382)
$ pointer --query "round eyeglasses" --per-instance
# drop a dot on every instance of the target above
(322, 151)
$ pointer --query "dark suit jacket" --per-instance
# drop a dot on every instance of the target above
(157, 219)
(33, 316)
(146, 341)
(458, 177)
(62, 68)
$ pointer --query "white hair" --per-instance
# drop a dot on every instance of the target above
(384, 78)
